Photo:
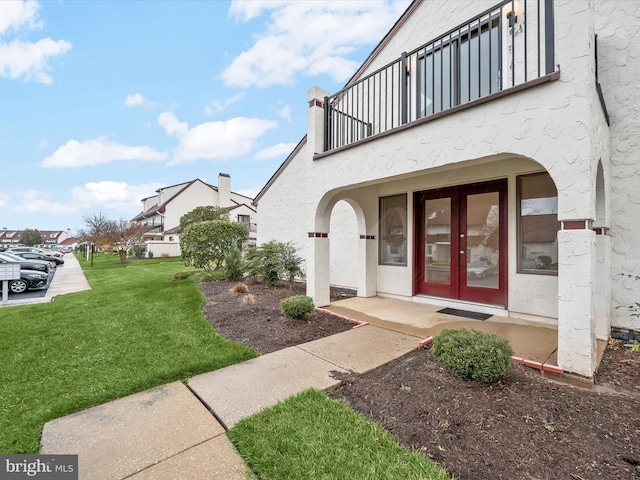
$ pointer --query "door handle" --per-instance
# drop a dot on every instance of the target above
(461, 252)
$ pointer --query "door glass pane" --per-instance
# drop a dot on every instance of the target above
(437, 252)
(483, 234)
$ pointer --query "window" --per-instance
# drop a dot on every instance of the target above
(244, 219)
(393, 230)
(459, 69)
(538, 224)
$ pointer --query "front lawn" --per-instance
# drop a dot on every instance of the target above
(136, 329)
(309, 436)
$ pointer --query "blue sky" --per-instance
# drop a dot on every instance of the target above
(103, 102)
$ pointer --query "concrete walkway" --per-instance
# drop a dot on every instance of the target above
(176, 431)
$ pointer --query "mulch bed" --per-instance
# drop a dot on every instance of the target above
(524, 426)
(258, 322)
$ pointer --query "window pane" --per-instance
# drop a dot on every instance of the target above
(393, 230)
(539, 225)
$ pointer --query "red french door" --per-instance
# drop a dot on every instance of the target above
(461, 242)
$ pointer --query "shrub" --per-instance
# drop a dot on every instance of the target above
(473, 355)
(150, 254)
(233, 264)
(138, 251)
(298, 307)
(164, 255)
(273, 261)
(239, 288)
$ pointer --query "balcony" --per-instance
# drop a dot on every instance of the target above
(505, 47)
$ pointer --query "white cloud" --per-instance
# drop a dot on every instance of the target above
(214, 140)
(308, 37)
(244, 11)
(137, 100)
(30, 60)
(36, 201)
(118, 196)
(220, 105)
(280, 150)
(101, 150)
(285, 112)
(19, 59)
(17, 14)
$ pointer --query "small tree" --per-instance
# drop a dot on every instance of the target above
(233, 263)
(31, 237)
(205, 243)
(201, 214)
(119, 234)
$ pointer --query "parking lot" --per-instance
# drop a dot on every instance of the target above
(41, 292)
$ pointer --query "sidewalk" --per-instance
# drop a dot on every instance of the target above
(176, 431)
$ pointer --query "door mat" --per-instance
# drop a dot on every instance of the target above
(465, 313)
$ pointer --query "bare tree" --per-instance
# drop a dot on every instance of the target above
(120, 234)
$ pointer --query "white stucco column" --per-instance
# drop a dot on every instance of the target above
(603, 284)
(576, 298)
(318, 252)
(367, 262)
(318, 286)
(315, 119)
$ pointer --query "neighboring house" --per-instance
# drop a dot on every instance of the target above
(49, 237)
(504, 132)
(162, 212)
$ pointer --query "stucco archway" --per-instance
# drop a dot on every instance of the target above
(353, 248)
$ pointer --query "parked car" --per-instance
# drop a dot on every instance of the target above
(40, 256)
(481, 269)
(29, 280)
(42, 251)
(28, 264)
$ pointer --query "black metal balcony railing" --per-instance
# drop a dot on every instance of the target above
(502, 47)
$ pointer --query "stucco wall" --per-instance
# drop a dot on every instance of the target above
(617, 23)
(283, 209)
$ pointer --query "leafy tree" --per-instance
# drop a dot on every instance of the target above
(200, 214)
(205, 243)
(31, 237)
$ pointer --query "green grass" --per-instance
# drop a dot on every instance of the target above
(134, 330)
(309, 436)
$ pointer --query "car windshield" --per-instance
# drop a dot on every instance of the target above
(12, 257)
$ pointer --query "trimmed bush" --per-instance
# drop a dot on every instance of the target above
(472, 355)
(298, 307)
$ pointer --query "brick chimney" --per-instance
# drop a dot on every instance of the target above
(224, 190)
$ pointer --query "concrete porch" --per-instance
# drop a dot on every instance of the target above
(531, 342)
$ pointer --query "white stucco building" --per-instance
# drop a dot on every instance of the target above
(479, 134)
(162, 212)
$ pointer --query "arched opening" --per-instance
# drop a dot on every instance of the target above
(343, 246)
(602, 281)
